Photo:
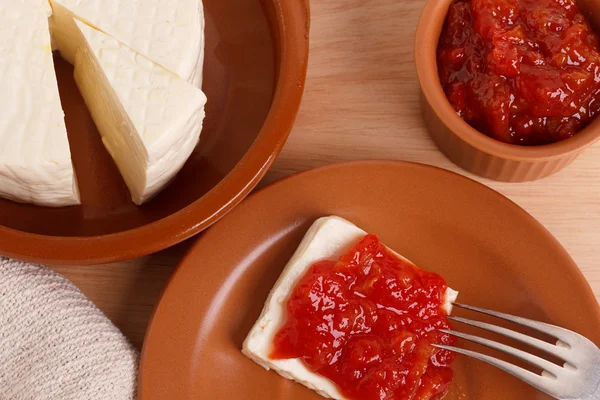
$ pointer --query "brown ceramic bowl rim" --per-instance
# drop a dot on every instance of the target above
(426, 40)
(293, 28)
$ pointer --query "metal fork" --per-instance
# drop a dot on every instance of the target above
(577, 379)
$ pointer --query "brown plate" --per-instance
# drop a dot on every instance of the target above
(256, 58)
(485, 246)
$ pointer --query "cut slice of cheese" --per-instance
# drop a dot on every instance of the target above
(168, 32)
(328, 238)
(35, 160)
(149, 118)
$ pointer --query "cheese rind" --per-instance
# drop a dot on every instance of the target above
(327, 238)
(149, 118)
(168, 32)
(35, 160)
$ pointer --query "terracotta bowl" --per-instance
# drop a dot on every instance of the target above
(256, 59)
(465, 146)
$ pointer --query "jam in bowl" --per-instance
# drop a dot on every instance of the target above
(510, 87)
(524, 72)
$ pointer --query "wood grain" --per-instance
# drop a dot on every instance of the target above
(362, 102)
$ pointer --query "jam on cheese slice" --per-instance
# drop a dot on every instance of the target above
(367, 322)
(351, 319)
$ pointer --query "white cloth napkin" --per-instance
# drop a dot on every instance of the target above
(55, 344)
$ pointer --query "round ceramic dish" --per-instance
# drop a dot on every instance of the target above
(484, 245)
(256, 59)
(465, 146)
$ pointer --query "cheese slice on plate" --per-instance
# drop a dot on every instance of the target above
(168, 32)
(35, 160)
(327, 239)
(149, 118)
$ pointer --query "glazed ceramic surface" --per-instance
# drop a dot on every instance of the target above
(256, 58)
(484, 245)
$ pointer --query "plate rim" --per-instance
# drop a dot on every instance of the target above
(586, 292)
(294, 26)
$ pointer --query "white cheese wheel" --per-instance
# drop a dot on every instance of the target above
(139, 73)
(35, 160)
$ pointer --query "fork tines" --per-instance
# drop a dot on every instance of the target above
(579, 376)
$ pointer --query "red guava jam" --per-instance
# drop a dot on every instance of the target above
(524, 72)
(367, 322)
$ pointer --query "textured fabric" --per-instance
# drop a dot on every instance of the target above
(55, 344)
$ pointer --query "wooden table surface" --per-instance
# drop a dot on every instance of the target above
(362, 102)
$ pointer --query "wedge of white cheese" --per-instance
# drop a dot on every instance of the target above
(168, 32)
(35, 160)
(327, 239)
(149, 118)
